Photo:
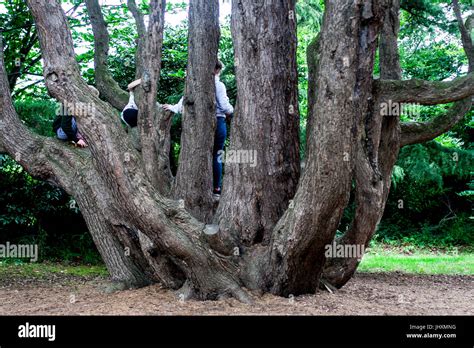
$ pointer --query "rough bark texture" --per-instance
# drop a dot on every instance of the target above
(193, 181)
(427, 92)
(122, 185)
(104, 81)
(153, 122)
(381, 145)
(266, 120)
(348, 44)
(377, 151)
(141, 31)
(312, 58)
(61, 165)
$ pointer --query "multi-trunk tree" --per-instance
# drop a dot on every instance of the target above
(273, 223)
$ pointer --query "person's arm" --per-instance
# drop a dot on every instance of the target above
(177, 108)
(223, 99)
(66, 126)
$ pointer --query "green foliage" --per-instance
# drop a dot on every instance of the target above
(428, 204)
(38, 114)
(34, 212)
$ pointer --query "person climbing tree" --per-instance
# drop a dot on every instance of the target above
(65, 125)
(224, 112)
(129, 114)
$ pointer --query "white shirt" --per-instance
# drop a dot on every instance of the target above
(223, 105)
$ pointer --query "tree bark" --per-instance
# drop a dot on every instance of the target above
(144, 236)
(312, 58)
(266, 121)
(382, 144)
(193, 181)
(154, 122)
(121, 185)
(60, 165)
(377, 151)
(104, 81)
(344, 82)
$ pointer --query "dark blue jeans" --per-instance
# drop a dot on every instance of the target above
(218, 155)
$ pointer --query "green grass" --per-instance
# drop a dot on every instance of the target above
(379, 258)
(45, 270)
(417, 262)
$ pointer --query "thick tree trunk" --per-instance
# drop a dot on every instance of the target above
(193, 181)
(145, 237)
(312, 58)
(266, 122)
(154, 123)
(344, 82)
(377, 151)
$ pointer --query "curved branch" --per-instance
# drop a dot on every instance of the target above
(107, 86)
(419, 132)
(426, 92)
(42, 157)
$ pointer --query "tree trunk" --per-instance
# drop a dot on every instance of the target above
(266, 122)
(377, 152)
(104, 81)
(144, 236)
(193, 181)
(344, 82)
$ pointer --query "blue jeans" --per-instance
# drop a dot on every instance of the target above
(217, 154)
(63, 136)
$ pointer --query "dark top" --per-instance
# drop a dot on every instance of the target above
(65, 123)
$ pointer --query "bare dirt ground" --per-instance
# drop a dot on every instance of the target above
(366, 294)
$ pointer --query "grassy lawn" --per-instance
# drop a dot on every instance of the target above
(379, 259)
(46, 269)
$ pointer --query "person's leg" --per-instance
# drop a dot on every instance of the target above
(219, 140)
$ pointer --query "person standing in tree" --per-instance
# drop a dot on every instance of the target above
(223, 110)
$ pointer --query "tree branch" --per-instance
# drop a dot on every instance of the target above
(107, 86)
(18, 91)
(465, 35)
(153, 122)
(42, 157)
(426, 92)
(141, 40)
(418, 132)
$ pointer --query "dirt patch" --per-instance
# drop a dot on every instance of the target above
(366, 294)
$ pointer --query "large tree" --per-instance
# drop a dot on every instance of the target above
(272, 225)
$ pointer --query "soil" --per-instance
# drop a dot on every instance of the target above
(365, 294)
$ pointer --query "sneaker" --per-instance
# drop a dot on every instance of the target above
(216, 193)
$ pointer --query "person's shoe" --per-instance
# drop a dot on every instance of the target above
(216, 193)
